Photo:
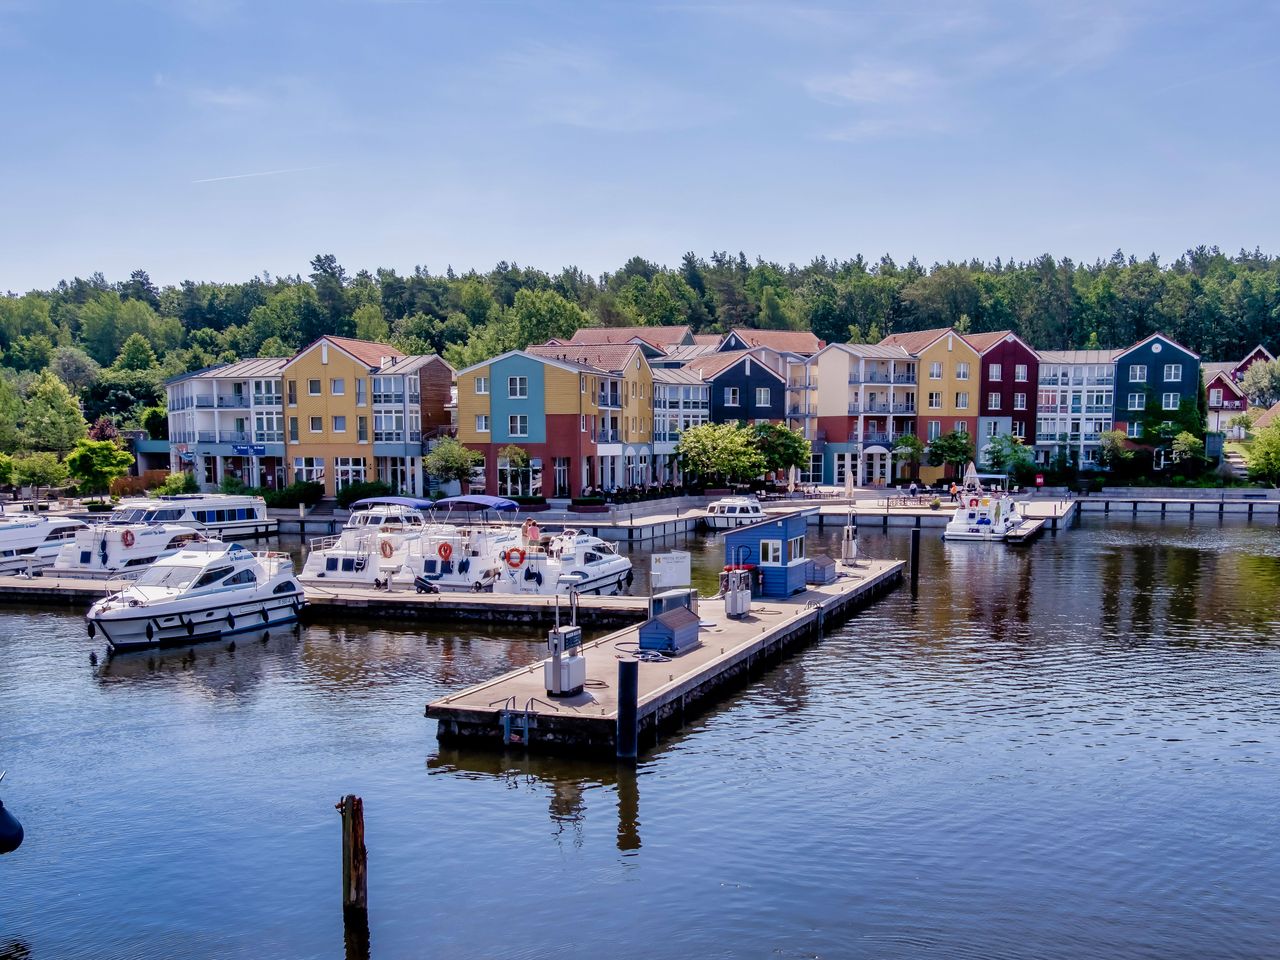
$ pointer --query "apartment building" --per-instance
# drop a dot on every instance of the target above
(743, 387)
(1225, 397)
(1154, 375)
(1010, 371)
(1075, 404)
(680, 400)
(949, 383)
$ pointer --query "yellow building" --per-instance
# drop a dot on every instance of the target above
(948, 386)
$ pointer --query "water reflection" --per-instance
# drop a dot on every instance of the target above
(567, 783)
(15, 950)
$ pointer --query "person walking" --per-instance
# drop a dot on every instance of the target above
(955, 491)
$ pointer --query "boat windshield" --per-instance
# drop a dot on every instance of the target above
(177, 577)
(127, 516)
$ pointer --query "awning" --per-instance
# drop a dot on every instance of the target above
(479, 501)
(415, 502)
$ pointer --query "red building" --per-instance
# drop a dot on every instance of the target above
(1010, 373)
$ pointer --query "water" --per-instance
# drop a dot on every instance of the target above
(1057, 752)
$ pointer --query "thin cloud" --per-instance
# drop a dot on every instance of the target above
(866, 83)
(262, 173)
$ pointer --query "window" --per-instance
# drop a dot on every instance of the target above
(994, 372)
(962, 371)
(1215, 397)
(317, 424)
(935, 400)
(1019, 401)
(520, 481)
(339, 424)
(814, 473)
(962, 427)
(293, 393)
(1020, 372)
(313, 388)
(1020, 429)
(518, 425)
(308, 469)
(293, 429)
(482, 385)
(935, 371)
(1137, 401)
(482, 423)
(582, 427)
(362, 426)
(935, 429)
(962, 400)
(582, 383)
(517, 388)
(1138, 373)
(1172, 372)
(993, 401)
(991, 428)
(388, 426)
(361, 387)
(239, 577)
(730, 396)
(770, 552)
(1134, 431)
(338, 387)
(347, 470)
(762, 397)
(1171, 401)
(795, 549)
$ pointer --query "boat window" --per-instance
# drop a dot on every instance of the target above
(731, 509)
(169, 576)
(211, 576)
(591, 557)
(240, 576)
(287, 587)
(348, 564)
(331, 563)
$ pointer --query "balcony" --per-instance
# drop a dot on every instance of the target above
(388, 436)
(1227, 405)
(855, 377)
(268, 400)
(389, 399)
(871, 437)
(204, 401)
(233, 436)
(608, 436)
(876, 376)
(206, 436)
(876, 408)
(269, 436)
(908, 408)
(236, 402)
(855, 409)
(904, 378)
(609, 400)
(1097, 408)
(1049, 381)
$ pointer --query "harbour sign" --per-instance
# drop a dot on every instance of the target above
(249, 449)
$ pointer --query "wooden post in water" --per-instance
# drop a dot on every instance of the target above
(628, 709)
(355, 894)
(915, 560)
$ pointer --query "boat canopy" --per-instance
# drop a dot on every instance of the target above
(416, 502)
(484, 502)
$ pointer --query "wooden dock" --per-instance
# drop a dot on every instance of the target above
(514, 709)
(336, 605)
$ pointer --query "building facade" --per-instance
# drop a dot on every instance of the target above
(1010, 372)
(1075, 403)
(1156, 379)
(680, 401)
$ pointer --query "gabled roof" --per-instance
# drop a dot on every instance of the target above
(362, 351)
(1268, 417)
(982, 342)
(411, 364)
(714, 364)
(1217, 367)
(803, 342)
(1221, 377)
(1157, 336)
(675, 375)
(661, 337)
(569, 365)
(708, 339)
(611, 357)
(870, 351)
(683, 354)
(1259, 347)
(677, 617)
(1078, 356)
(915, 341)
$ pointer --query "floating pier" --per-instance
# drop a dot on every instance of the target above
(514, 709)
(340, 604)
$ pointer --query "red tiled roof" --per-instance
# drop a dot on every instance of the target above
(708, 339)
(603, 356)
(982, 342)
(367, 352)
(714, 363)
(1268, 417)
(914, 341)
(790, 341)
(658, 336)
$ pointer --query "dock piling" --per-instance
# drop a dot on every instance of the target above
(355, 894)
(915, 561)
(628, 709)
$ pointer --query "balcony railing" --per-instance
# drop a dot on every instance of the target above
(609, 400)
(240, 401)
(233, 436)
(608, 436)
(904, 378)
(204, 401)
(904, 408)
(207, 436)
(877, 408)
(855, 408)
(855, 377)
(875, 376)
(388, 436)
(268, 400)
(269, 436)
(388, 398)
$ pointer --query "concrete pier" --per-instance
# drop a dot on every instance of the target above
(515, 709)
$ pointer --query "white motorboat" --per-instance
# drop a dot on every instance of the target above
(109, 549)
(562, 563)
(730, 512)
(983, 516)
(30, 542)
(205, 591)
(453, 556)
(372, 546)
(219, 515)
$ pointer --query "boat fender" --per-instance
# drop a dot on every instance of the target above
(530, 573)
(151, 631)
(464, 565)
(231, 621)
(537, 577)
(265, 616)
(973, 501)
(631, 577)
(93, 629)
(477, 587)
(386, 549)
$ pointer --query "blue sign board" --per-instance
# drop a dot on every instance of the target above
(249, 449)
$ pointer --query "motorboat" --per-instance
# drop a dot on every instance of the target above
(729, 512)
(463, 554)
(984, 516)
(29, 542)
(371, 547)
(220, 515)
(569, 561)
(109, 549)
(206, 591)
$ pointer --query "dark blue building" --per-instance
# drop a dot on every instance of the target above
(742, 387)
(1154, 379)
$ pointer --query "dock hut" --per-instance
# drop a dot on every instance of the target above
(822, 570)
(672, 632)
(775, 547)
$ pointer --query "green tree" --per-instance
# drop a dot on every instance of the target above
(538, 315)
(176, 483)
(95, 463)
(370, 323)
(449, 460)
(136, 354)
(1261, 383)
(516, 456)
(782, 447)
(1263, 455)
(1188, 449)
(51, 418)
(954, 449)
(10, 417)
(910, 448)
(39, 470)
(1007, 454)
(75, 368)
(6, 470)
(1113, 449)
(724, 452)
(274, 347)
(155, 420)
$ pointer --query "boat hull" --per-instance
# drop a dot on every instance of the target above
(164, 626)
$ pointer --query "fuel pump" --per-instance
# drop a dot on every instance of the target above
(566, 672)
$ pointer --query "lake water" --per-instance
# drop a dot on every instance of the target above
(1063, 751)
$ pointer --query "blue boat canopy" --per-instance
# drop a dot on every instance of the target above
(415, 502)
(478, 500)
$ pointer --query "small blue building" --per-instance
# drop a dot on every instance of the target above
(776, 548)
(674, 631)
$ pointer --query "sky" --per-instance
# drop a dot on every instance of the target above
(218, 139)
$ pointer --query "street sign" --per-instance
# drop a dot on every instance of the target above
(1039, 479)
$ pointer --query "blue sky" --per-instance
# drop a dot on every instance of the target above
(216, 139)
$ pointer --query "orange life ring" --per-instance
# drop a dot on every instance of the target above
(387, 549)
(973, 501)
(445, 550)
(515, 558)
(127, 538)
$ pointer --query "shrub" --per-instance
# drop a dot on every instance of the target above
(178, 483)
(232, 484)
(587, 501)
(294, 494)
(529, 501)
(358, 491)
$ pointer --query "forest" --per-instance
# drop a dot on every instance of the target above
(113, 343)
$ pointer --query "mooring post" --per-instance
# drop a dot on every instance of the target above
(355, 894)
(915, 560)
(628, 708)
